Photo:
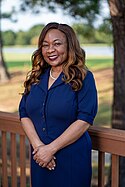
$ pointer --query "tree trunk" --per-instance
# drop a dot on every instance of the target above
(117, 11)
(4, 75)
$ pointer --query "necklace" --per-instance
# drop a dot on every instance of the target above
(51, 75)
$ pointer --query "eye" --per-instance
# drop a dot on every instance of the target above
(57, 44)
(45, 45)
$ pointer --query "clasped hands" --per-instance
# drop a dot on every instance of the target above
(43, 155)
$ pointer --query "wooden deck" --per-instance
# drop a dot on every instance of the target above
(15, 150)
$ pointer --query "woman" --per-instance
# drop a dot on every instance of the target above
(58, 106)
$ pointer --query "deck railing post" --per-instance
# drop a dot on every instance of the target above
(101, 165)
(115, 171)
(4, 160)
(13, 161)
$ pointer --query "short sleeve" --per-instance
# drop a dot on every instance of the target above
(87, 100)
(22, 107)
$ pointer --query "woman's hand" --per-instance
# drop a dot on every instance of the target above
(43, 155)
(51, 165)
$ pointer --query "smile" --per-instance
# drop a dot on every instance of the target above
(53, 57)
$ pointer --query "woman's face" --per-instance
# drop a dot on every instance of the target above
(54, 48)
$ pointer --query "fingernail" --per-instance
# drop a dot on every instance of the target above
(50, 169)
(53, 168)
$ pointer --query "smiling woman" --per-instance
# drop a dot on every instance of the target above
(58, 106)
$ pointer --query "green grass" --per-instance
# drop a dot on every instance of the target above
(18, 64)
(99, 63)
(22, 60)
(17, 60)
(94, 64)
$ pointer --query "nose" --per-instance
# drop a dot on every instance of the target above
(50, 48)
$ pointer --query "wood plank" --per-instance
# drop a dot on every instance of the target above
(104, 138)
(22, 162)
(101, 168)
(115, 171)
(13, 161)
(15, 127)
(108, 133)
(4, 160)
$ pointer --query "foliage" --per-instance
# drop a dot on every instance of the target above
(86, 9)
(104, 32)
(34, 40)
(35, 30)
(8, 37)
(86, 34)
(22, 38)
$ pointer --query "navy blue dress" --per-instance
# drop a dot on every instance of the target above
(52, 111)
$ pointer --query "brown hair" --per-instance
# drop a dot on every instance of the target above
(74, 68)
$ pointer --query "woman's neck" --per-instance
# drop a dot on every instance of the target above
(57, 69)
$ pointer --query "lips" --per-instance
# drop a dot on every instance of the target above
(54, 57)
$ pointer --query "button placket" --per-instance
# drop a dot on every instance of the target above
(43, 116)
(44, 129)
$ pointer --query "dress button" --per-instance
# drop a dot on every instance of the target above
(44, 128)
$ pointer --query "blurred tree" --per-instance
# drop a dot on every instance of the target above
(8, 37)
(4, 74)
(34, 33)
(35, 30)
(103, 34)
(86, 9)
(34, 40)
(22, 38)
(85, 32)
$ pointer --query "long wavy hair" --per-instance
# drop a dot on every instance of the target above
(74, 68)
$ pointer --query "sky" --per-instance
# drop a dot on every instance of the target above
(27, 20)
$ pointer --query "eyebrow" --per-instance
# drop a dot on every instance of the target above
(53, 41)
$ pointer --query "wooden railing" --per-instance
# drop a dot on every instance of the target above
(13, 140)
(14, 164)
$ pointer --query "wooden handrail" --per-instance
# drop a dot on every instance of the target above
(104, 140)
(108, 140)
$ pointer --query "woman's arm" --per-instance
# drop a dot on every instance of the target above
(70, 135)
(31, 132)
(35, 140)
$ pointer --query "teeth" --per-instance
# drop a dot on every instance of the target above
(52, 57)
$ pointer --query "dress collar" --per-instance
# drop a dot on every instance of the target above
(44, 78)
